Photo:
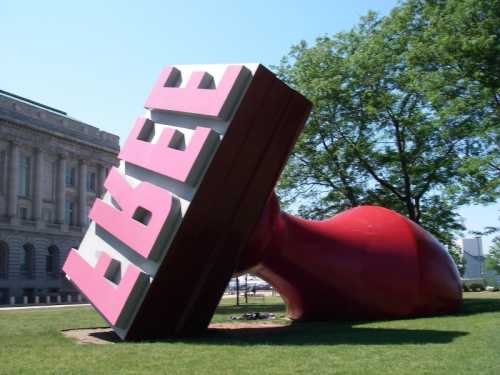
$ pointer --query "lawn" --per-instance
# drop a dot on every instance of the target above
(468, 343)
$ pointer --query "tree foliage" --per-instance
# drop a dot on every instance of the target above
(492, 261)
(406, 113)
(493, 258)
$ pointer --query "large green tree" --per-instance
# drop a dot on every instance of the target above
(493, 257)
(406, 111)
(492, 261)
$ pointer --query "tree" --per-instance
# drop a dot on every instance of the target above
(401, 117)
(457, 62)
(492, 262)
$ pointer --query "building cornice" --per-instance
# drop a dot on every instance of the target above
(5, 227)
(55, 124)
(49, 143)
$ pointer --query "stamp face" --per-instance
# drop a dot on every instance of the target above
(194, 176)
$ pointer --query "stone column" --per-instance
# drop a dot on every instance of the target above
(13, 180)
(82, 194)
(37, 186)
(101, 177)
(60, 189)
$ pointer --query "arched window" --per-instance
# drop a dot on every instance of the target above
(4, 260)
(52, 261)
(28, 266)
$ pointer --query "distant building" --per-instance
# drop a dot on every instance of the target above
(472, 250)
(52, 167)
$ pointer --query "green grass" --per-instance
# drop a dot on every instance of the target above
(468, 343)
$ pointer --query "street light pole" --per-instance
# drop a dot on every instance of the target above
(246, 288)
(237, 291)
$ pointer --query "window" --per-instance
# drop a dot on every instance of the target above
(70, 176)
(24, 176)
(70, 213)
(23, 213)
(2, 172)
(4, 296)
(28, 266)
(4, 260)
(47, 215)
(87, 211)
(52, 261)
(91, 182)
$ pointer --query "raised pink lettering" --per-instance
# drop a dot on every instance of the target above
(198, 96)
(165, 156)
(109, 298)
(144, 211)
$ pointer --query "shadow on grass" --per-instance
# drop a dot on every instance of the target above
(474, 306)
(108, 336)
(307, 334)
(238, 310)
(322, 333)
(325, 334)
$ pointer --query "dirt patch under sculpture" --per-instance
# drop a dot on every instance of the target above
(105, 335)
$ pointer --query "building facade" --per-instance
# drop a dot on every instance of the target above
(52, 168)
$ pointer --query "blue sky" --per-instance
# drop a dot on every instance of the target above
(97, 60)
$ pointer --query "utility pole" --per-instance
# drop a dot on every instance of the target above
(237, 291)
(246, 288)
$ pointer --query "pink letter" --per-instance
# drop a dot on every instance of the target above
(145, 211)
(197, 96)
(161, 157)
(106, 296)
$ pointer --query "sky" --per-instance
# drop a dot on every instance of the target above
(97, 60)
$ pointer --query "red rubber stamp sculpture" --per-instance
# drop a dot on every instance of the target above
(192, 203)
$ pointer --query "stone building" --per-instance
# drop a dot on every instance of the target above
(52, 167)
